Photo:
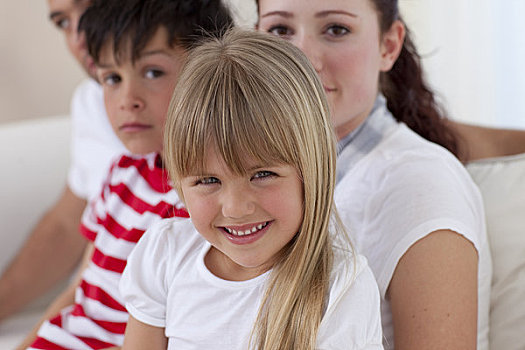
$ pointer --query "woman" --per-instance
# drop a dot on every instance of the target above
(410, 205)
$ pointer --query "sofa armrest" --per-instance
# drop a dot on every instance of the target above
(35, 157)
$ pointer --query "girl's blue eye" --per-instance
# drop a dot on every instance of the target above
(280, 30)
(154, 73)
(263, 174)
(337, 30)
(207, 181)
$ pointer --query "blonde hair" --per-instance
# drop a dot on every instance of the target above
(255, 96)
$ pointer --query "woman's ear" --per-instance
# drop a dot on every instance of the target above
(391, 45)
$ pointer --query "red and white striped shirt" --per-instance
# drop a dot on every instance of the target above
(136, 194)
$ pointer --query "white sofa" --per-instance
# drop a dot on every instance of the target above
(34, 155)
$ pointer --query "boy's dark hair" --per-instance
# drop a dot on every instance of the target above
(134, 22)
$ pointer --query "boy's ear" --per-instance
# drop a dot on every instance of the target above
(391, 45)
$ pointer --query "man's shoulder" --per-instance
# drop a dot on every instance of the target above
(88, 87)
(88, 101)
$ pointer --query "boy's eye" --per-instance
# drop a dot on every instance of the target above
(263, 174)
(111, 79)
(337, 30)
(207, 181)
(280, 30)
(154, 73)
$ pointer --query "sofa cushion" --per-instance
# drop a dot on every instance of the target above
(502, 184)
(34, 156)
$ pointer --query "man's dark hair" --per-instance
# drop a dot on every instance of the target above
(134, 22)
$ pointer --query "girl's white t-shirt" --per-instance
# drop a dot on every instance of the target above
(167, 284)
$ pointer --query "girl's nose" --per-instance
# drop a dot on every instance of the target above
(237, 203)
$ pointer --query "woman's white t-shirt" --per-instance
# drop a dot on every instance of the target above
(399, 192)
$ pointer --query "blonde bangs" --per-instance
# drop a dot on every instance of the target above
(226, 89)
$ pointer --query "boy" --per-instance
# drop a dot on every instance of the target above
(139, 47)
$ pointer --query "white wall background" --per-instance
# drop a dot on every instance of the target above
(474, 54)
(37, 75)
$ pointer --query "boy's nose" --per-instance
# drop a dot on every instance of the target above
(131, 100)
(237, 203)
(132, 104)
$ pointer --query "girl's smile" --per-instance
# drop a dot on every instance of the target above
(249, 219)
(247, 233)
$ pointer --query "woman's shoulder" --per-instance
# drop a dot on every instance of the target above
(404, 142)
(405, 162)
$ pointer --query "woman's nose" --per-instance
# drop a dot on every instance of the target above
(306, 43)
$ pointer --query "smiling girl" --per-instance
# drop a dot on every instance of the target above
(249, 147)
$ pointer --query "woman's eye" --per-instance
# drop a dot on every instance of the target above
(280, 30)
(263, 174)
(154, 73)
(207, 181)
(337, 30)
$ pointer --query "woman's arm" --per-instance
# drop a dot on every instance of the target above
(477, 142)
(433, 294)
(140, 336)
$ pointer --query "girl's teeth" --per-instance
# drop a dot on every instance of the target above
(247, 232)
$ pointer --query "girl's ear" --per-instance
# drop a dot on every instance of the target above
(391, 45)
